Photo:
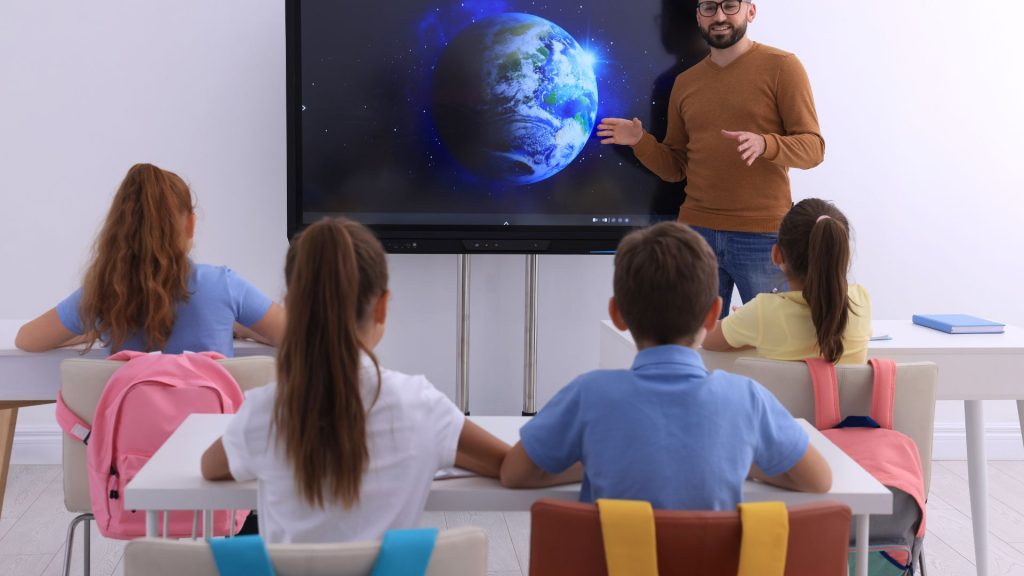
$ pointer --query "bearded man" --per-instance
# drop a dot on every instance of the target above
(738, 121)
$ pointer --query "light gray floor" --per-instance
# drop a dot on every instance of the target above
(34, 522)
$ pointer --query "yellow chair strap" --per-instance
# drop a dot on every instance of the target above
(627, 528)
(765, 538)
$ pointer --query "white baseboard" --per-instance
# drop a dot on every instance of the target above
(36, 445)
(42, 444)
(1002, 441)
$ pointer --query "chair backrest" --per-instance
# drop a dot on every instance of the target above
(458, 552)
(565, 540)
(913, 406)
(81, 384)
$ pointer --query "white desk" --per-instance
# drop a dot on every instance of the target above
(28, 379)
(972, 368)
(171, 480)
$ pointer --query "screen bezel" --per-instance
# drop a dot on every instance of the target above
(433, 239)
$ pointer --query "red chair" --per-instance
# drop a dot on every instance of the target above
(565, 540)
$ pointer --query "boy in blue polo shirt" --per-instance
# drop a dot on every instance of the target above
(666, 430)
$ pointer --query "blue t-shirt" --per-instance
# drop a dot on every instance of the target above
(217, 299)
(665, 431)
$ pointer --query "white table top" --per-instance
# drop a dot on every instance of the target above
(171, 480)
(9, 329)
(36, 376)
(971, 366)
(909, 337)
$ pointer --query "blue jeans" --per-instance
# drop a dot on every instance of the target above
(744, 261)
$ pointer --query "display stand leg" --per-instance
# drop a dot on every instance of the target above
(530, 347)
(462, 329)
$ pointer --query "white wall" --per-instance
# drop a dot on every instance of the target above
(919, 109)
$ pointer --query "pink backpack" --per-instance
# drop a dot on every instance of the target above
(890, 456)
(142, 404)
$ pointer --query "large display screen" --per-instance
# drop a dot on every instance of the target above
(462, 125)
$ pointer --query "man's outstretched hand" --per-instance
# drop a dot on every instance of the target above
(620, 131)
(751, 146)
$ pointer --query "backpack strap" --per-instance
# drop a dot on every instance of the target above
(241, 556)
(627, 529)
(72, 423)
(765, 538)
(405, 552)
(884, 392)
(826, 393)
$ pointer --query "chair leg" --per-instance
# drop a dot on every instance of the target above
(920, 560)
(70, 541)
(87, 551)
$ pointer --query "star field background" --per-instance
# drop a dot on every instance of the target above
(370, 147)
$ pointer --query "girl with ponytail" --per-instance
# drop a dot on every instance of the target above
(141, 290)
(343, 449)
(822, 315)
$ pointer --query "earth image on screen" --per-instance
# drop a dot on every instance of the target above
(514, 98)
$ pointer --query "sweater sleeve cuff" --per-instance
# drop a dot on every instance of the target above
(771, 147)
(645, 146)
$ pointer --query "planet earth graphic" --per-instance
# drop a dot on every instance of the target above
(514, 98)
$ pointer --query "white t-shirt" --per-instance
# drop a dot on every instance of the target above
(412, 431)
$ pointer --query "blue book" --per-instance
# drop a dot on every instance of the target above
(958, 323)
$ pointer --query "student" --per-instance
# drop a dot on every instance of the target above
(343, 449)
(142, 292)
(822, 315)
(666, 431)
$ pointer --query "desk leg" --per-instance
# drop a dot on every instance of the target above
(977, 476)
(1020, 415)
(207, 525)
(8, 421)
(152, 516)
(860, 565)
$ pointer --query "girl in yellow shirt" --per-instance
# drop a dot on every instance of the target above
(822, 315)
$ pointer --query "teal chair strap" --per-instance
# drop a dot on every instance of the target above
(241, 556)
(405, 552)
(402, 553)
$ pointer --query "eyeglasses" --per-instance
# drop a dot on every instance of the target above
(709, 9)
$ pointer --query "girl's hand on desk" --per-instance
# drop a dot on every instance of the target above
(214, 463)
(46, 333)
(519, 471)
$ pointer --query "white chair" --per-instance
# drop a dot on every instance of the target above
(724, 360)
(81, 384)
(913, 405)
(458, 552)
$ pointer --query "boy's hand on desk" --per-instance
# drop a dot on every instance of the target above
(810, 474)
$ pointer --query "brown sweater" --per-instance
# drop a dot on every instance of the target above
(764, 91)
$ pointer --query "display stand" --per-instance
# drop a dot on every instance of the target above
(530, 339)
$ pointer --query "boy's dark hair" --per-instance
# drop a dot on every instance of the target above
(814, 238)
(666, 280)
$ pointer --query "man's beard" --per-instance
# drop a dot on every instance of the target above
(726, 42)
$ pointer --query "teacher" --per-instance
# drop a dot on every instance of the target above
(738, 121)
